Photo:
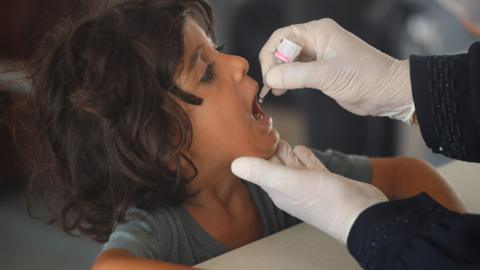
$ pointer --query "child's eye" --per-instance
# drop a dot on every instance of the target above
(209, 74)
(210, 71)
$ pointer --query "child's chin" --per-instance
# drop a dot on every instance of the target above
(265, 153)
(271, 150)
(275, 143)
(265, 148)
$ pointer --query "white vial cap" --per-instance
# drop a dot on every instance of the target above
(287, 51)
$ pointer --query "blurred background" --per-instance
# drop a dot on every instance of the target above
(397, 27)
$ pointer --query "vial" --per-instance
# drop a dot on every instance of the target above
(287, 51)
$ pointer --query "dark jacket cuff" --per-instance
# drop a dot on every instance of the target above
(382, 231)
(446, 99)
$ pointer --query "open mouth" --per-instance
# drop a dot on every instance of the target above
(257, 112)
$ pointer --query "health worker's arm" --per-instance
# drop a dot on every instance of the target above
(416, 233)
(446, 92)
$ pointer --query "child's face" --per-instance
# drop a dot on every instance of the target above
(223, 126)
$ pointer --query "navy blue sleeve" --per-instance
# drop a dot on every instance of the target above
(446, 92)
(416, 233)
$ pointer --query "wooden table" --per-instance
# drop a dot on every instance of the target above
(301, 247)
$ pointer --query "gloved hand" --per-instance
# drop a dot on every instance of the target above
(360, 78)
(304, 188)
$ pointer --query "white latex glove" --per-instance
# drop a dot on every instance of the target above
(304, 188)
(360, 78)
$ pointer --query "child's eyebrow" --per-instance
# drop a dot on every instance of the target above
(194, 57)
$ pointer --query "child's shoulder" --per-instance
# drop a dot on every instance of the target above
(162, 217)
(148, 233)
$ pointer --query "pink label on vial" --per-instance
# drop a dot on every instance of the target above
(281, 56)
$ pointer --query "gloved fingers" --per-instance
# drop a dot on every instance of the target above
(308, 158)
(279, 92)
(305, 35)
(306, 56)
(316, 37)
(287, 156)
(264, 173)
(282, 146)
(266, 55)
(353, 109)
(290, 75)
(275, 159)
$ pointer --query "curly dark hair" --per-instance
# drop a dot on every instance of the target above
(104, 93)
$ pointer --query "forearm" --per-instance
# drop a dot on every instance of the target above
(415, 233)
(123, 260)
(446, 95)
(401, 178)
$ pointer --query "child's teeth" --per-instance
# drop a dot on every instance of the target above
(258, 116)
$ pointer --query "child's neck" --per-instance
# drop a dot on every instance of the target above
(223, 207)
(215, 186)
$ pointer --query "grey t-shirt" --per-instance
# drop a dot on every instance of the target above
(171, 234)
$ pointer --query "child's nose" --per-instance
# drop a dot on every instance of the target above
(239, 66)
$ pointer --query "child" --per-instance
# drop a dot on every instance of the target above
(143, 115)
